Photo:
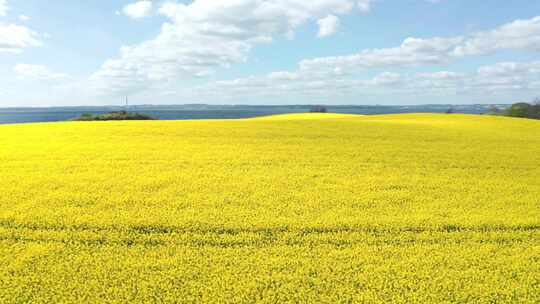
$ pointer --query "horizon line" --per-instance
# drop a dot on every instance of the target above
(254, 105)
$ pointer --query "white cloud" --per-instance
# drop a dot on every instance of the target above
(3, 7)
(14, 38)
(207, 34)
(506, 68)
(445, 75)
(413, 51)
(387, 79)
(488, 80)
(36, 72)
(138, 9)
(497, 79)
(300, 83)
(519, 35)
(364, 5)
(509, 75)
(328, 26)
(285, 76)
(388, 87)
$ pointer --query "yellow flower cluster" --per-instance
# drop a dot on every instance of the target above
(311, 208)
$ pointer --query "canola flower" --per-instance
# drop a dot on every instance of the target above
(303, 208)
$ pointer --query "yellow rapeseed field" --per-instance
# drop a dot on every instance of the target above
(304, 208)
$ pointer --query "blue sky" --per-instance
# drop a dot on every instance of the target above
(63, 52)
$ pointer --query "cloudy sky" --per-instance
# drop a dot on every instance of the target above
(65, 52)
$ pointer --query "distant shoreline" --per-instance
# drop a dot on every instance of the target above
(235, 106)
(199, 111)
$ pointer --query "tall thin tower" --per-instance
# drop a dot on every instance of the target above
(127, 104)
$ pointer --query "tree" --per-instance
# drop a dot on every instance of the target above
(521, 109)
(525, 110)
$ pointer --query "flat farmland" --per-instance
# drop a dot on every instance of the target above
(313, 208)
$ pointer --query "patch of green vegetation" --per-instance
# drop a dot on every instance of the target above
(525, 110)
(121, 115)
(520, 109)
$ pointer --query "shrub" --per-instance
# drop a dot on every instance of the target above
(121, 115)
(524, 110)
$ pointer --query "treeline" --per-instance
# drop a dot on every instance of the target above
(121, 115)
(521, 109)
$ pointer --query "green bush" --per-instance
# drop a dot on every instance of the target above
(524, 110)
(121, 115)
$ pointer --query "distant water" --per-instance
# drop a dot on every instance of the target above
(183, 112)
